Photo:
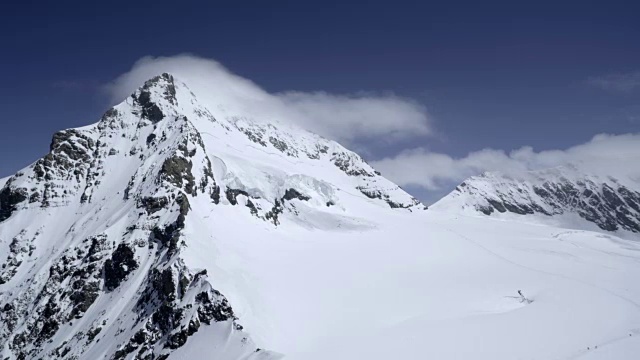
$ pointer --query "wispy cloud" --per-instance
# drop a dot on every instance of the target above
(620, 82)
(349, 118)
(614, 155)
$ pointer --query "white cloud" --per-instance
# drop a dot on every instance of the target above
(621, 82)
(615, 155)
(345, 118)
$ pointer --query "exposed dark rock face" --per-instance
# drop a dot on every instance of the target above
(20, 249)
(127, 190)
(348, 163)
(151, 138)
(371, 194)
(177, 170)
(214, 190)
(55, 299)
(278, 204)
(214, 307)
(283, 147)
(110, 120)
(9, 200)
(70, 154)
(291, 194)
(169, 235)
(316, 153)
(232, 195)
(121, 264)
(278, 144)
(153, 204)
(184, 207)
(256, 138)
(609, 205)
(85, 293)
(252, 207)
(215, 194)
(254, 133)
(75, 158)
(277, 207)
(273, 214)
(378, 194)
(71, 288)
(149, 109)
(166, 311)
(396, 205)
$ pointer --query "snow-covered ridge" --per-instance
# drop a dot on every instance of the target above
(612, 204)
(175, 230)
(94, 231)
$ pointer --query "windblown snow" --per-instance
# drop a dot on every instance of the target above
(172, 230)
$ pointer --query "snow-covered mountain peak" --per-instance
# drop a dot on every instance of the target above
(181, 227)
(103, 219)
(559, 193)
(140, 125)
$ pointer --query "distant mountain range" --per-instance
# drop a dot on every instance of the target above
(608, 202)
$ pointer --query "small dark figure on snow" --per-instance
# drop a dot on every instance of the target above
(523, 299)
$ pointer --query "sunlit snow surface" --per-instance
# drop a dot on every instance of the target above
(428, 285)
(354, 280)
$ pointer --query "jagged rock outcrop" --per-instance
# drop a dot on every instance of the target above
(605, 201)
(93, 235)
(56, 303)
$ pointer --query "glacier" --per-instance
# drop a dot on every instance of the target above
(174, 229)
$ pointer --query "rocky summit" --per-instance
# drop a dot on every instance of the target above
(93, 233)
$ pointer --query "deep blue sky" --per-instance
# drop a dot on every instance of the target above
(497, 75)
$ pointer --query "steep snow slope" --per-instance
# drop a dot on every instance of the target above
(157, 231)
(567, 196)
(428, 285)
(92, 235)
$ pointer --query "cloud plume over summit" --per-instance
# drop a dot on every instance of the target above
(345, 118)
